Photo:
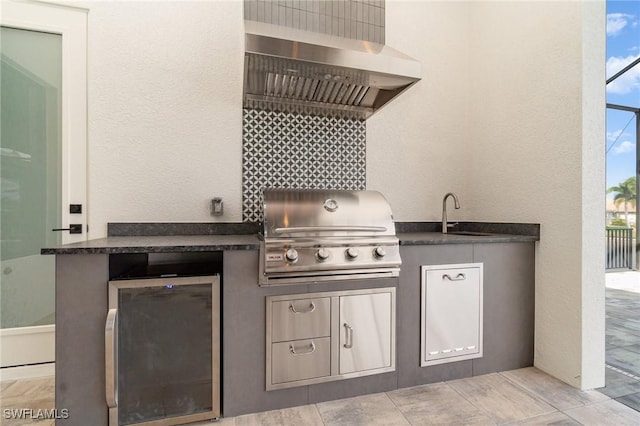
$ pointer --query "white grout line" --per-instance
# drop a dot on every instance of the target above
(610, 367)
(396, 407)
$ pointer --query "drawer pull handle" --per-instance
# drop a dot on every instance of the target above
(348, 336)
(312, 308)
(459, 277)
(312, 349)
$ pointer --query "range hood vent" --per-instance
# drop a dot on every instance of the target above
(301, 71)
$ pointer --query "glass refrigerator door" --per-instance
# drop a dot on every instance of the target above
(165, 361)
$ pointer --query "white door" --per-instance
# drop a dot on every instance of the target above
(43, 133)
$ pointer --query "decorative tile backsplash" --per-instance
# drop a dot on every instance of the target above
(297, 150)
(357, 19)
(288, 150)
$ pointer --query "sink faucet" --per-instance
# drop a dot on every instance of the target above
(445, 225)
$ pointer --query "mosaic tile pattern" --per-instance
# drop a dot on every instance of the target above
(287, 150)
(356, 19)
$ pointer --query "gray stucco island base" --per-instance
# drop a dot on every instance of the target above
(82, 275)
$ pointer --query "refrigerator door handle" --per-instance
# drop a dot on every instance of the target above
(111, 357)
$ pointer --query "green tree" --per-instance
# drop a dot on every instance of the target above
(619, 223)
(625, 193)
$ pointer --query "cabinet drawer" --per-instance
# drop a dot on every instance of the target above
(300, 360)
(300, 319)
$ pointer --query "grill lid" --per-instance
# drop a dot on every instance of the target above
(326, 235)
(326, 213)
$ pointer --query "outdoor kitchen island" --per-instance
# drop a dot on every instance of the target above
(83, 272)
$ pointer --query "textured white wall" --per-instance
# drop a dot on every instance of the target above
(413, 143)
(537, 120)
(509, 115)
(593, 198)
(165, 112)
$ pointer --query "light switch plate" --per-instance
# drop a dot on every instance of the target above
(217, 207)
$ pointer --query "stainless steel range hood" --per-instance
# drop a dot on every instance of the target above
(301, 71)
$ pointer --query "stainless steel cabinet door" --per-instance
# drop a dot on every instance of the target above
(365, 332)
(451, 313)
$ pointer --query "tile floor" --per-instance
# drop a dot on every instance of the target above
(523, 397)
(622, 350)
(28, 394)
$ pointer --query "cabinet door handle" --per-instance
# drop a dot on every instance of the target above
(459, 277)
(312, 349)
(111, 358)
(312, 308)
(348, 336)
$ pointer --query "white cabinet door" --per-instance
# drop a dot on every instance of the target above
(451, 313)
(366, 332)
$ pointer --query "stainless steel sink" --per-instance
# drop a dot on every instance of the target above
(472, 233)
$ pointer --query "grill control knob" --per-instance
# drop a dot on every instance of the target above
(379, 252)
(323, 254)
(291, 255)
(352, 252)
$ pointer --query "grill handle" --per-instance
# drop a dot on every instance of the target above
(298, 229)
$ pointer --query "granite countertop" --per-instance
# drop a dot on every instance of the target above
(426, 233)
(158, 244)
(428, 238)
(193, 237)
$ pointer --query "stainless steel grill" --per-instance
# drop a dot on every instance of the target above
(321, 235)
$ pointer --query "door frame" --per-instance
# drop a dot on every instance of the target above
(31, 345)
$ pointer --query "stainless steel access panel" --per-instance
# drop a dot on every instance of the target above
(162, 350)
(452, 314)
